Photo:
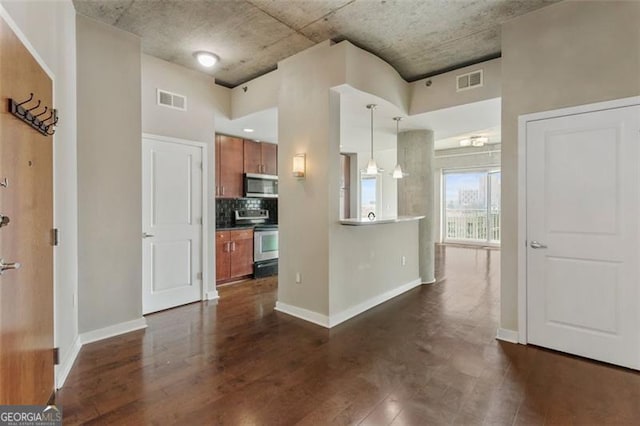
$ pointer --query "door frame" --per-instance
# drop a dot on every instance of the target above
(60, 370)
(523, 120)
(204, 283)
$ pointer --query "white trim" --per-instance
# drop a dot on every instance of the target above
(112, 330)
(204, 283)
(433, 281)
(63, 370)
(23, 38)
(304, 314)
(212, 295)
(353, 311)
(522, 190)
(505, 335)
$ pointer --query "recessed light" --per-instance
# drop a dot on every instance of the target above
(248, 130)
(206, 59)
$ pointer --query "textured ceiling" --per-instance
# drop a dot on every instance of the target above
(417, 37)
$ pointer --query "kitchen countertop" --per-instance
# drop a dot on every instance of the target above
(235, 227)
(381, 221)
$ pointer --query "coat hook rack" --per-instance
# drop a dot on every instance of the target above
(44, 126)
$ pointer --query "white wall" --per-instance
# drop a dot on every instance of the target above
(50, 29)
(459, 159)
(261, 93)
(109, 176)
(205, 100)
(442, 91)
(312, 241)
(569, 53)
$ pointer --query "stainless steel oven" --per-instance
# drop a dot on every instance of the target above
(260, 186)
(265, 243)
(265, 250)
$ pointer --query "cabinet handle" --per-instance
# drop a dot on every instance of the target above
(233, 246)
(222, 189)
(227, 247)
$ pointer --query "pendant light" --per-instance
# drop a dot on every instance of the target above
(372, 166)
(397, 170)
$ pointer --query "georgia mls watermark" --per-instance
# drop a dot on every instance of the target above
(30, 415)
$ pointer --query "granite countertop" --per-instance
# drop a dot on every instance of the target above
(381, 221)
(248, 226)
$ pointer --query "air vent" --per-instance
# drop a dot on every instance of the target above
(469, 81)
(172, 100)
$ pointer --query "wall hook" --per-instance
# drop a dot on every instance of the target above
(28, 100)
(35, 107)
(35, 117)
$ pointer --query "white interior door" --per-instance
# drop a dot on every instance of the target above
(171, 224)
(583, 279)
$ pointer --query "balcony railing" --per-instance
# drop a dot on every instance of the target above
(473, 225)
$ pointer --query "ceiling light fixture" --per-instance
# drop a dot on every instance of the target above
(248, 130)
(206, 59)
(372, 166)
(475, 141)
(397, 170)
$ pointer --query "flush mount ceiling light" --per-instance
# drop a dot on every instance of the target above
(248, 130)
(206, 59)
(476, 141)
(397, 170)
(372, 166)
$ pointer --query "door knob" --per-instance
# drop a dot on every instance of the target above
(4, 220)
(145, 235)
(536, 245)
(8, 266)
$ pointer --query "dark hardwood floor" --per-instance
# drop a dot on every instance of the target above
(427, 357)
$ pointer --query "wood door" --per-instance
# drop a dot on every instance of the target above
(26, 294)
(252, 157)
(269, 158)
(583, 233)
(241, 252)
(223, 259)
(172, 224)
(231, 167)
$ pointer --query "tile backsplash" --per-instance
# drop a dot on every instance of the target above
(226, 206)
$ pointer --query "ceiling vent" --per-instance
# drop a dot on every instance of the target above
(469, 81)
(172, 100)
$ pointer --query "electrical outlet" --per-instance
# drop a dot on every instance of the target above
(403, 260)
(298, 278)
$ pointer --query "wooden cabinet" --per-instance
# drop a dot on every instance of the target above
(260, 157)
(229, 167)
(234, 254)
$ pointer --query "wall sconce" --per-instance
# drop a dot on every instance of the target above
(299, 165)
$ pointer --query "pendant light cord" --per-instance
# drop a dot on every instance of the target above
(372, 131)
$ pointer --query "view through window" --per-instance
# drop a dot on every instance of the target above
(472, 206)
(368, 194)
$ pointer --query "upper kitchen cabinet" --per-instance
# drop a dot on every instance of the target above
(260, 157)
(229, 167)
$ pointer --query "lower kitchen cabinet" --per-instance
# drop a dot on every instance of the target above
(234, 254)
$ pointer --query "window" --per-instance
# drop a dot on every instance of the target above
(471, 205)
(369, 194)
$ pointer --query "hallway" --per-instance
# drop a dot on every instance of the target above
(428, 356)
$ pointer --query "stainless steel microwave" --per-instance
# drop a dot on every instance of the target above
(260, 186)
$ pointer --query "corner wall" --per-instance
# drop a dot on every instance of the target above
(570, 53)
(109, 176)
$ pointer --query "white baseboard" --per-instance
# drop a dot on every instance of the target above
(304, 314)
(212, 295)
(62, 370)
(507, 335)
(370, 303)
(113, 330)
(433, 281)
